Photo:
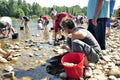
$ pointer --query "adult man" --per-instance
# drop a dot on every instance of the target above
(97, 13)
(58, 18)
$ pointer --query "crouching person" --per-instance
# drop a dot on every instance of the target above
(81, 40)
(6, 26)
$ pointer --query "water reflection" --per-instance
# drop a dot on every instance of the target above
(23, 35)
(46, 34)
(2, 44)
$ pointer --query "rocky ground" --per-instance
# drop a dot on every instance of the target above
(29, 60)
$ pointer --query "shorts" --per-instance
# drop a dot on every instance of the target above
(46, 22)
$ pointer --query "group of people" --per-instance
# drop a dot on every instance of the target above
(92, 40)
(89, 41)
(6, 28)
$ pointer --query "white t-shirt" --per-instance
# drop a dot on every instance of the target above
(6, 19)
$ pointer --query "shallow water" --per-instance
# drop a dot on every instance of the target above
(26, 65)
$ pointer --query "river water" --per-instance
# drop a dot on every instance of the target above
(28, 66)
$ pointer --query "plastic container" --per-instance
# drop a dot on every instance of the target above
(15, 36)
(21, 28)
(77, 58)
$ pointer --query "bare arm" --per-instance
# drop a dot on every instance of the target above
(99, 6)
(1, 32)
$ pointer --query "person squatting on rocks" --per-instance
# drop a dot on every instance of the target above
(6, 26)
(81, 40)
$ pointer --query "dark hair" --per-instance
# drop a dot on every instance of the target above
(3, 24)
(67, 23)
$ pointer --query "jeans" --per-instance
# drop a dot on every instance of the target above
(80, 46)
(99, 31)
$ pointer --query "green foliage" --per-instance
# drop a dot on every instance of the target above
(3, 8)
(15, 8)
(19, 12)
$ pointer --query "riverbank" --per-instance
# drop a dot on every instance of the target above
(31, 52)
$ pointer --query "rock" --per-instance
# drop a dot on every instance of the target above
(42, 62)
(3, 60)
(26, 78)
(112, 78)
(92, 79)
(16, 47)
(114, 72)
(10, 75)
(35, 49)
(30, 54)
(100, 77)
(40, 47)
(45, 54)
(16, 55)
(107, 58)
(97, 72)
(46, 78)
(14, 59)
(8, 68)
(63, 75)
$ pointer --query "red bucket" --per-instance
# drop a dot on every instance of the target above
(75, 68)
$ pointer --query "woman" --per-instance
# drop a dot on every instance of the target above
(81, 40)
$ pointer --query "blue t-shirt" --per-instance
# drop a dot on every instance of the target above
(104, 13)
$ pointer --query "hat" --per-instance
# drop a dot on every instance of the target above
(7, 20)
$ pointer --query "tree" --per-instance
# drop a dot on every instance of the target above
(3, 8)
(19, 12)
(12, 7)
(37, 9)
(19, 2)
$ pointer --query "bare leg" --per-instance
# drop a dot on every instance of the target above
(108, 31)
(13, 30)
(86, 62)
(26, 26)
(4, 53)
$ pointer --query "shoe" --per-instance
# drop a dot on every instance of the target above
(62, 38)
(87, 72)
(56, 43)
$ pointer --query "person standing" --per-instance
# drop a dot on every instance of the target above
(97, 13)
(112, 4)
(25, 21)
